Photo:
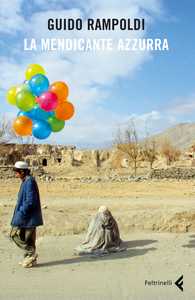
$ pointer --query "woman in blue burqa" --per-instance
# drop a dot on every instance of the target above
(103, 235)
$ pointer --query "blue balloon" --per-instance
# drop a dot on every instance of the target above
(41, 129)
(21, 113)
(38, 84)
(40, 114)
(25, 113)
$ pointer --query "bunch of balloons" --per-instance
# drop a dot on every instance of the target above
(44, 108)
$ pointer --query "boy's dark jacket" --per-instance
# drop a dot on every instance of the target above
(28, 208)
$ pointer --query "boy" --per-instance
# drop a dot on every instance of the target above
(27, 215)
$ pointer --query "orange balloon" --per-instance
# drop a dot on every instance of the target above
(64, 111)
(23, 126)
(61, 90)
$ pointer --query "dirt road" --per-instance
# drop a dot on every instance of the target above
(61, 275)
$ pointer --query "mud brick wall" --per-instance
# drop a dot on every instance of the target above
(174, 173)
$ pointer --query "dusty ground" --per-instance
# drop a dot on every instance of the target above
(61, 275)
(150, 206)
(146, 212)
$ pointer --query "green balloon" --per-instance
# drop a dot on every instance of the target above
(23, 87)
(25, 100)
(56, 125)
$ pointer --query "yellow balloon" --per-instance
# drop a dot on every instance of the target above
(11, 95)
(33, 70)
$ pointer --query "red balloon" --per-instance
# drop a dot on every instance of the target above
(48, 101)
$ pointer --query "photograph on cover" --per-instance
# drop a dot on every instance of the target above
(97, 150)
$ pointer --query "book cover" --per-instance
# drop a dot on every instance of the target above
(97, 150)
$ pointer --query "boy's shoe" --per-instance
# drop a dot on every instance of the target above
(30, 261)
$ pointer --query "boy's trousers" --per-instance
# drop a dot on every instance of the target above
(24, 238)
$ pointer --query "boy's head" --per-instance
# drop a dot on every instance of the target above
(21, 169)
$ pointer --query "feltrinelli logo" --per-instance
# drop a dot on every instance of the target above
(179, 283)
(165, 283)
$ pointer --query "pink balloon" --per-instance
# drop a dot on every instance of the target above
(48, 101)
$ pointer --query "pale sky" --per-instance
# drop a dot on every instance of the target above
(106, 89)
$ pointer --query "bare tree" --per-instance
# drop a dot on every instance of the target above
(6, 131)
(149, 152)
(128, 143)
(170, 152)
(29, 140)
